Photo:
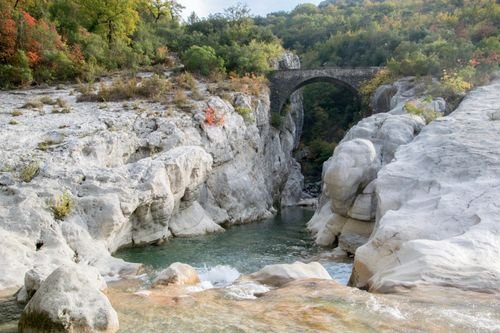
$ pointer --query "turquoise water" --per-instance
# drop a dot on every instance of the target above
(248, 248)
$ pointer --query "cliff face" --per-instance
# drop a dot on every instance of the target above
(415, 203)
(134, 173)
(438, 218)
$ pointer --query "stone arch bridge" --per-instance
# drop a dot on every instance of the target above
(284, 82)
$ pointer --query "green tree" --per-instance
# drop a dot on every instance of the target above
(113, 19)
(203, 60)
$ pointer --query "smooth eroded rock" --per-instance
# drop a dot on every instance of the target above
(280, 274)
(177, 274)
(70, 300)
(438, 214)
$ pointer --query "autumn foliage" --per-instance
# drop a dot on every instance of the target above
(211, 117)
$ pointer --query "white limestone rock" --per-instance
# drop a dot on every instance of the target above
(280, 274)
(363, 207)
(352, 167)
(193, 221)
(354, 233)
(438, 217)
(70, 300)
(349, 176)
(130, 173)
(177, 274)
(292, 192)
(325, 225)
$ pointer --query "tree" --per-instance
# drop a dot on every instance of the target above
(168, 9)
(8, 34)
(237, 12)
(114, 19)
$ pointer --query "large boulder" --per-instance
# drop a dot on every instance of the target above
(280, 274)
(349, 176)
(438, 213)
(177, 274)
(70, 300)
(352, 167)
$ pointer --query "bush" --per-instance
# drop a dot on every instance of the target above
(186, 80)
(248, 84)
(55, 66)
(120, 90)
(62, 205)
(63, 110)
(276, 120)
(203, 60)
(368, 88)
(153, 87)
(455, 82)
(29, 171)
(426, 114)
(18, 73)
(245, 112)
(180, 99)
(33, 105)
(211, 117)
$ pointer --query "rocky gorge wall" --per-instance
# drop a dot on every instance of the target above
(135, 173)
(415, 203)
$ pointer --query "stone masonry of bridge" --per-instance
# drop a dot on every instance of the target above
(284, 82)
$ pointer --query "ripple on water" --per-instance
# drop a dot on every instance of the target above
(247, 248)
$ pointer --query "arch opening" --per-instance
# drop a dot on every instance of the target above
(331, 107)
(313, 80)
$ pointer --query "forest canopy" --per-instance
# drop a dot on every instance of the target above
(55, 40)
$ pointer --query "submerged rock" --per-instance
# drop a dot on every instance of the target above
(280, 274)
(438, 215)
(70, 300)
(177, 274)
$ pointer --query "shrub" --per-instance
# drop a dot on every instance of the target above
(211, 117)
(29, 171)
(120, 90)
(153, 87)
(47, 100)
(55, 65)
(62, 110)
(368, 88)
(62, 205)
(16, 113)
(248, 84)
(61, 103)
(455, 82)
(428, 115)
(13, 122)
(44, 145)
(246, 113)
(203, 60)
(186, 80)
(180, 99)
(276, 120)
(17, 73)
(32, 105)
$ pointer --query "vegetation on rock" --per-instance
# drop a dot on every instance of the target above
(62, 205)
(29, 171)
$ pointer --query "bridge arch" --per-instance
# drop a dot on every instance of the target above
(284, 83)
